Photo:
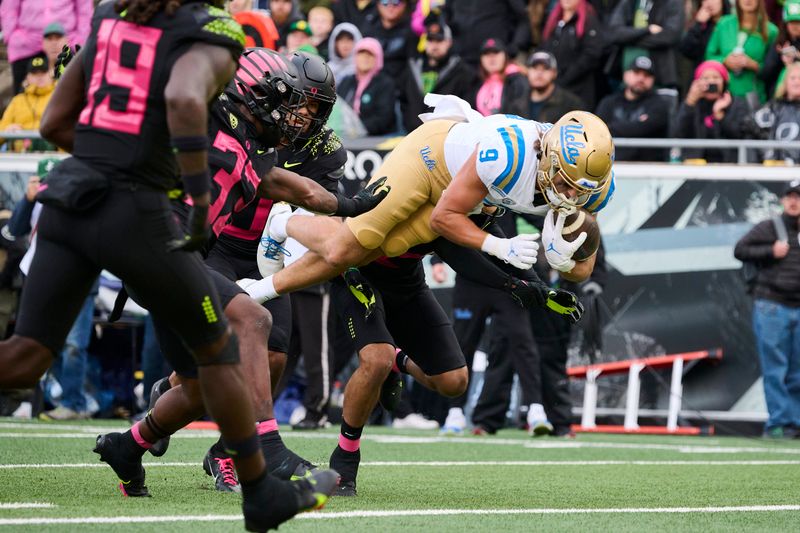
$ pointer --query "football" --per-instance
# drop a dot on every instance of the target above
(576, 223)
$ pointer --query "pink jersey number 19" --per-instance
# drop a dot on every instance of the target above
(109, 73)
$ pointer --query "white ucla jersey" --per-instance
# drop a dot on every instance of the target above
(507, 158)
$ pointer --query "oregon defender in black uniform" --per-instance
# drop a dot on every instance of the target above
(140, 87)
(262, 106)
(394, 308)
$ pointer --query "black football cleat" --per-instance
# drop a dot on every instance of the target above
(346, 463)
(161, 386)
(270, 501)
(289, 466)
(391, 391)
(127, 466)
(219, 466)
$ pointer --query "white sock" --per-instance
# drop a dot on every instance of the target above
(455, 411)
(262, 290)
(277, 226)
(536, 412)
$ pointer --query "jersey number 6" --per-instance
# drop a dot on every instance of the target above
(118, 79)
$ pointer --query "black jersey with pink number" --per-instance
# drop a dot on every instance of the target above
(321, 159)
(122, 130)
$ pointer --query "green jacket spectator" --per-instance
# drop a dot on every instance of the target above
(742, 47)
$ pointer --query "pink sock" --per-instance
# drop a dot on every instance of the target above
(266, 426)
(137, 436)
(349, 445)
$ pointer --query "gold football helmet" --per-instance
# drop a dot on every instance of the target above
(579, 150)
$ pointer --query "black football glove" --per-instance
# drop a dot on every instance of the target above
(565, 303)
(67, 54)
(365, 200)
(526, 293)
(198, 232)
(361, 289)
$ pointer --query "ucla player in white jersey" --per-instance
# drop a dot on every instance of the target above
(445, 170)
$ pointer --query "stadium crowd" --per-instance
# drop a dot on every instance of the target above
(648, 68)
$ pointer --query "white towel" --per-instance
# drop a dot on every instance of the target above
(449, 107)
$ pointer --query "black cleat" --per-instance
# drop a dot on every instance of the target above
(391, 391)
(346, 463)
(219, 465)
(290, 467)
(312, 421)
(270, 502)
(161, 386)
(127, 466)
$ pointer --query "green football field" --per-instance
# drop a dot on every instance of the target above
(50, 481)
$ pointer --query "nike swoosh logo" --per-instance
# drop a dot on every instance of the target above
(259, 152)
(290, 165)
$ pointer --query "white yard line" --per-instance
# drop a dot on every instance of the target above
(397, 513)
(154, 464)
(26, 505)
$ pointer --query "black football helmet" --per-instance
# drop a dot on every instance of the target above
(318, 85)
(272, 90)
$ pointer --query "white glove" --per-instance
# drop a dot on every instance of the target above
(558, 250)
(520, 251)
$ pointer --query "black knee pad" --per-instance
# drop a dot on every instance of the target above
(229, 355)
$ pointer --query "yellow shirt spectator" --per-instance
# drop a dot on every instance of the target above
(25, 110)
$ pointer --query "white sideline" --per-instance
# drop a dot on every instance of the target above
(601, 462)
(26, 505)
(405, 439)
(410, 512)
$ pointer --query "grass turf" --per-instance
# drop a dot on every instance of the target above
(184, 490)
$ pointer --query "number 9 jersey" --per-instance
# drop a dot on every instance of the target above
(507, 161)
(122, 130)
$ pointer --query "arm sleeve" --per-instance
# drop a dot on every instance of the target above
(756, 245)
(714, 46)
(9, 17)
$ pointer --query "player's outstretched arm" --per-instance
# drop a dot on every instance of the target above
(196, 77)
(286, 186)
(62, 112)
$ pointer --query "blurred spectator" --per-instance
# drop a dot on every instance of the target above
(437, 71)
(320, 18)
(694, 42)
(773, 247)
(297, 35)
(11, 252)
(504, 88)
(23, 22)
(421, 12)
(781, 116)
(283, 13)
(637, 111)
(359, 12)
(25, 110)
(392, 29)
(340, 50)
(710, 111)
(475, 21)
(572, 35)
(548, 101)
(370, 92)
(55, 37)
(740, 42)
(787, 47)
(652, 28)
(235, 7)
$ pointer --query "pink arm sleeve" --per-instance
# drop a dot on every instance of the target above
(9, 17)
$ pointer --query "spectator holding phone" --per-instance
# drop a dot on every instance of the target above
(740, 42)
(787, 47)
(710, 111)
